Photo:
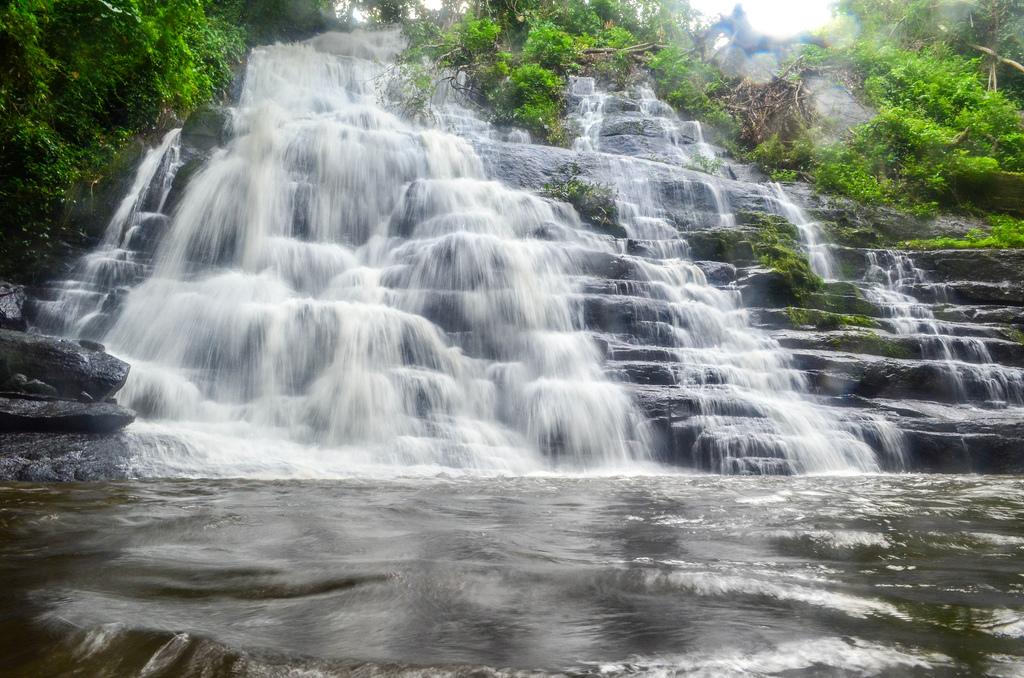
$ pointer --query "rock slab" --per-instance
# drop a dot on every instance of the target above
(48, 415)
(69, 367)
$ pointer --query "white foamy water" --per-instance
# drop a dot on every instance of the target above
(341, 291)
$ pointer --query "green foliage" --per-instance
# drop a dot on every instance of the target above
(616, 37)
(83, 76)
(705, 163)
(1006, 232)
(411, 89)
(943, 136)
(532, 98)
(939, 139)
(594, 203)
(266, 21)
(957, 25)
(689, 84)
(776, 244)
(783, 175)
(784, 159)
(826, 321)
(842, 170)
(509, 56)
(551, 47)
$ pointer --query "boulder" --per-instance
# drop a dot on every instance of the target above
(12, 302)
(48, 415)
(63, 457)
(836, 105)
(67, 366)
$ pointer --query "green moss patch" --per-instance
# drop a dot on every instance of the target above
(825, 321)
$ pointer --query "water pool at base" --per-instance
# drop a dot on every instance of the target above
(673, 575)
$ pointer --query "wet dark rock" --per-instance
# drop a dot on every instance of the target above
(1011, 315)
(145, 237)
(205, 130)
(730, 246)
(15, 384)
(980, 265)
(91, 204)
(68, 367)
(12, 302)
(63, 457)
(975, 445)
(48, 415)
(973, 292)
(853, 341)
(689, 199)
(764, 287)
(717, 272)
(917, 380)
(620, 104)
(841, 298)
(869, 376)
(36, 387)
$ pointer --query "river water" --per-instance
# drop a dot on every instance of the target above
(673, 575)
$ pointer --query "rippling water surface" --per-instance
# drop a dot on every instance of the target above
(686, 575)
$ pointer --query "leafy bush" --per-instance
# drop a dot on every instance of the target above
(787, 158)
(595, 203)
(81, 77)
(532, 97)
(688, 84)
(840, 169)
(550, 47)
(469, 43)
(940, 137)
(616, 37)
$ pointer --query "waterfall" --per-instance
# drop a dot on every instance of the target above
(342, 291)
(966, 359)
(969, 370)
(819, 254)
(751, 411)
(121, 259)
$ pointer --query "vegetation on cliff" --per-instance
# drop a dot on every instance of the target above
(948, 129)
(943, 77)
(514, 60)
(81, 77)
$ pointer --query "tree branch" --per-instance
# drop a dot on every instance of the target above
(643, 47)
(1009, 62)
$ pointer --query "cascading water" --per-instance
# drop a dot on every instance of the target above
(967, 359)
(342, 291)
(122, 257)
(969, 369)
(819, 255)
(339, 289)
(750, 415)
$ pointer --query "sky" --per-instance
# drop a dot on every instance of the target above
(775, 17)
